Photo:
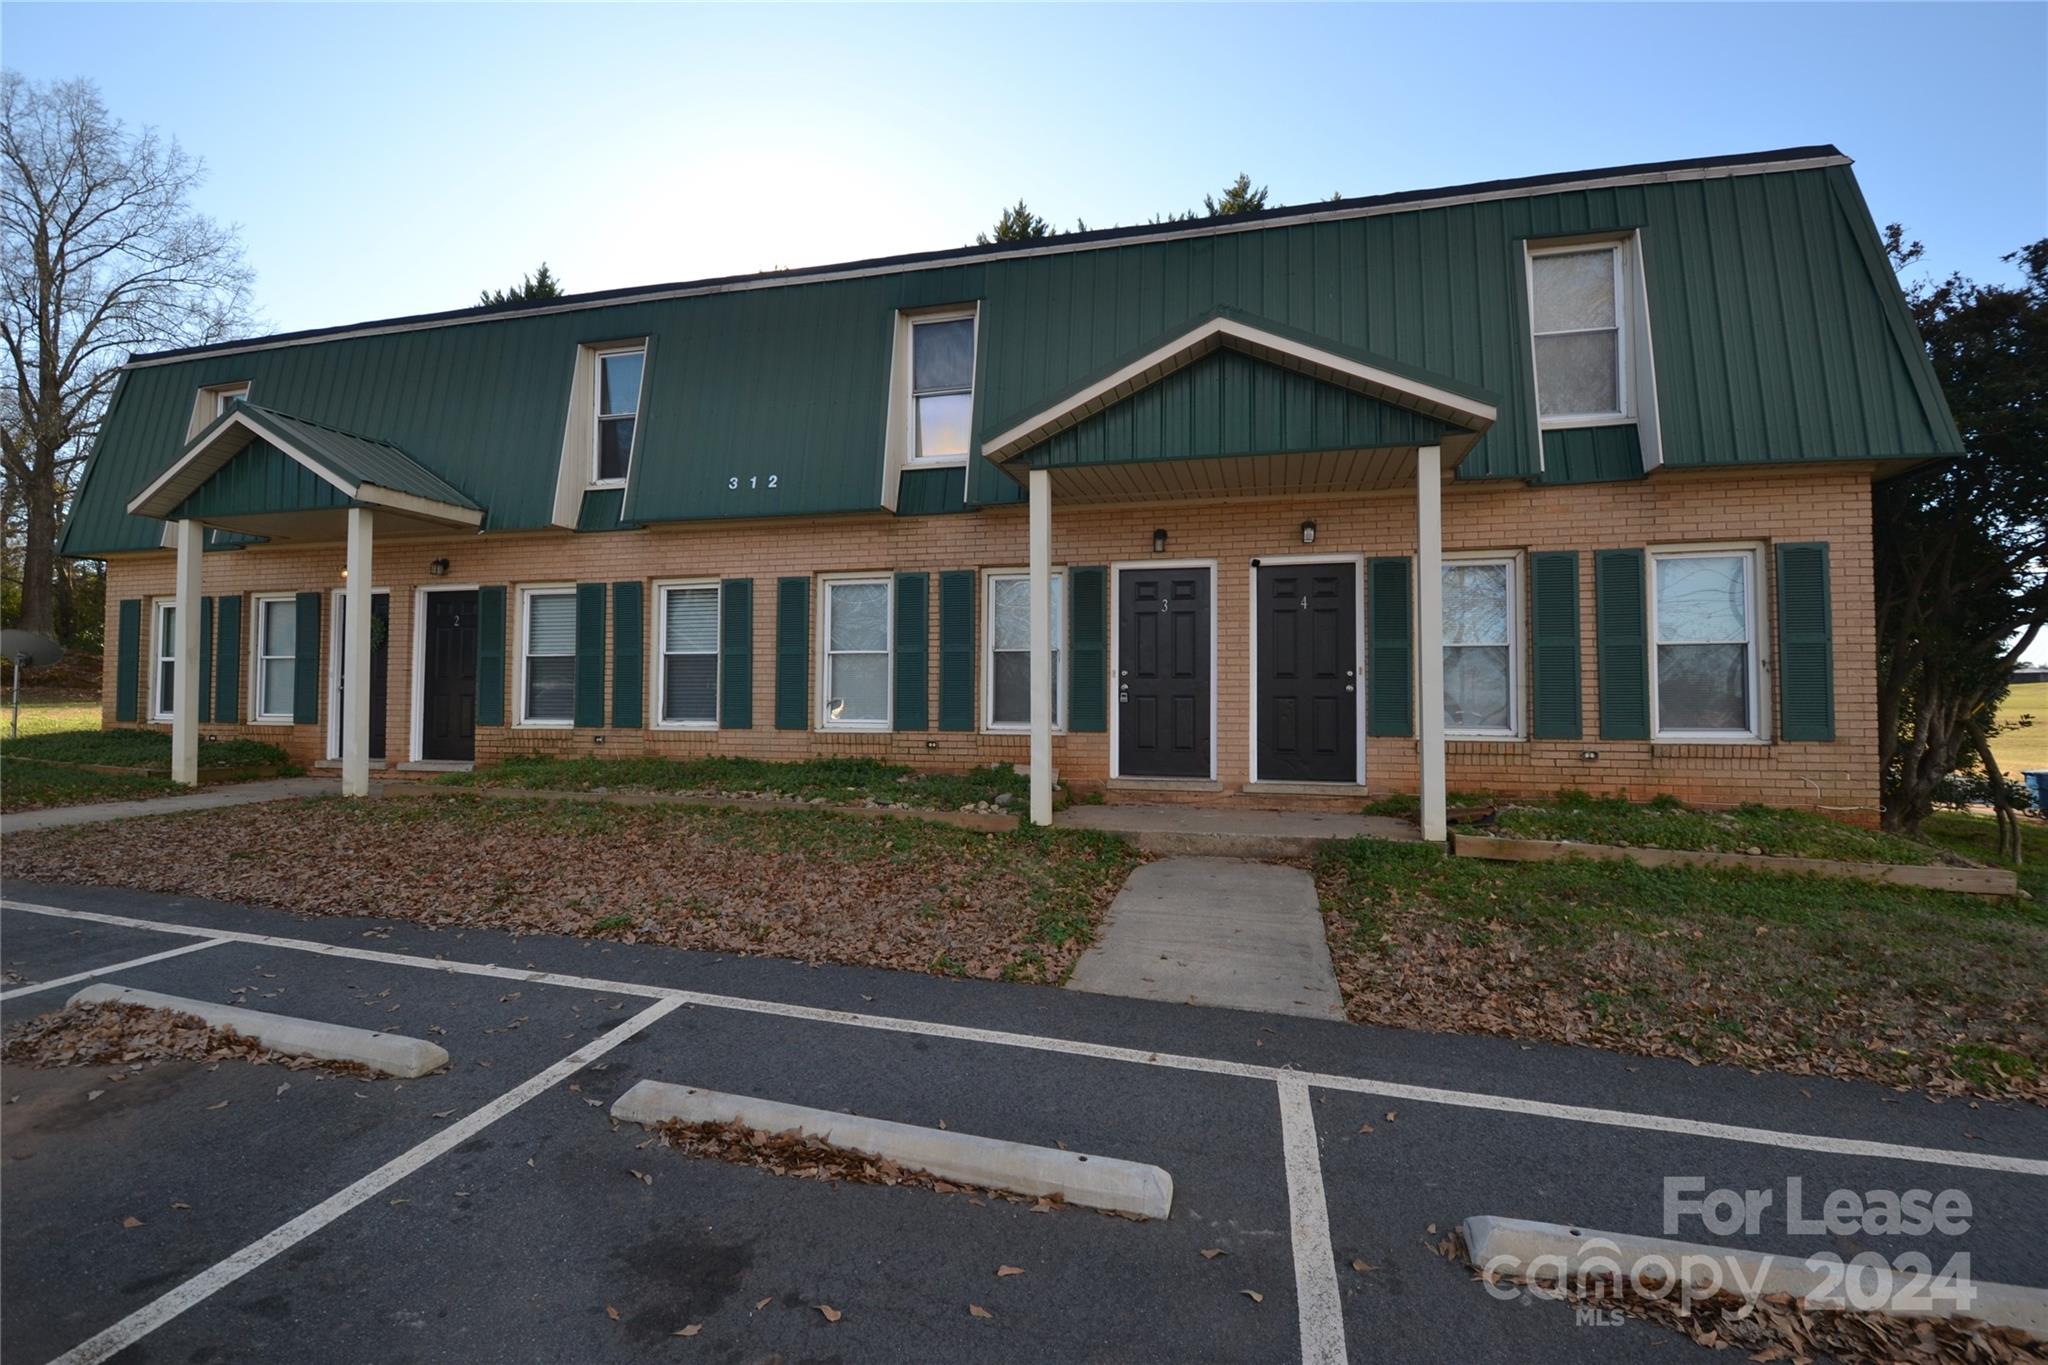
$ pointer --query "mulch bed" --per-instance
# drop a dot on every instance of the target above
(796, 1154)
(137, 1036)
(797, 884)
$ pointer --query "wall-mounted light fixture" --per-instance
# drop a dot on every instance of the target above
(438, 569)
(344, 575)
(1159, 542)
(1308, 533)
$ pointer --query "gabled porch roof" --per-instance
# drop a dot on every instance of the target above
(1359, 450)
(346, 471)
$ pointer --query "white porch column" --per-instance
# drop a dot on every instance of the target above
(1041, 647)
(191, 538)
(1429, 635)
(355, 668)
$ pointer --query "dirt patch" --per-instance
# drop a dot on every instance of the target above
(137, 1036)
(809, 1158)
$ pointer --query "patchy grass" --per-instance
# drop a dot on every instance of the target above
(1407, 806)
(1666, 823)
(1811, 975)
(804, 884)
(38, 786)
(845, 780)
(51, 717)
(1976, 836)
(138, 749)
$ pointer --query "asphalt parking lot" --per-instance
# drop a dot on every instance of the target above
(491, 1211)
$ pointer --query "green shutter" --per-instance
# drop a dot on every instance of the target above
(128, 660)
(736, 654)
(1622, 643)
(590, 655)
(1806, 643)
(205, 659)
(306, 670)
(1390, 666)
(956, 649)
(227, 672)
(1088, 650)
(490, 656)
(913, 651)
(1554, 643)
(629, 660)
(792, 653)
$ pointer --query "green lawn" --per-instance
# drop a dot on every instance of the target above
(1806, 974)
(32, 775)
(1976, 836)
(807, 884)
(1665, 823)
(47, 717)
(2023, 747)
(847, 780)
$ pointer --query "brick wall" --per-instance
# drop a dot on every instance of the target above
(1761, 506)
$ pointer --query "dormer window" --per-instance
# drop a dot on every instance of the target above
(941, 388)
(618, 410)
(227, 396)
(1579, 309)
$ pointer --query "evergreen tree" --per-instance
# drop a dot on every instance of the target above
(1238, 197)
(1017, 224)
(541, 284)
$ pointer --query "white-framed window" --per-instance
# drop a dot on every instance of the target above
(686, 638)
(547, 656)
(1482, 647)
(1706, 672)
(619, 373)
(227, 396)
(941, 387)
(164, 674)
(1006, 651)
(1578, 312)
(276, 662)
(854, 693)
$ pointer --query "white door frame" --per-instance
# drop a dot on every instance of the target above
(1116, 652)
(334, 647)
(419, 657)
(1357, 563)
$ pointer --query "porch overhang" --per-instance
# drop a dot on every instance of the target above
(343, 471)
(1436, 411)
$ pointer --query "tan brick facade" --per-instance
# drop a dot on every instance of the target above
(1759, 506)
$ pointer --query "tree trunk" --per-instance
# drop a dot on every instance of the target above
(39, 556)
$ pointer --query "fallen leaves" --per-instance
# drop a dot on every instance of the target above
(641, 1176)
(689, 1331)
(975, 1310)
(1211, 1253)
(1254, 1295)
(131, 1221)
(831, 1314)
(611, 1312)
(135, 1036)
(1005, 1270)
(798, 884)
(793, 1153)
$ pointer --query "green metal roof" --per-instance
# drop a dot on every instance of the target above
(1779, 335)
(258, 459)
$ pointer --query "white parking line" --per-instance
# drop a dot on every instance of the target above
(1214, 1066)
(115, 967)
(212, 1280)
(1318, 1305)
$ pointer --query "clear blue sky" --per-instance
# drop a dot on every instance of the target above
(386, 159)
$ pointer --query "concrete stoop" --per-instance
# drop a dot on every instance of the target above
(1231, 832)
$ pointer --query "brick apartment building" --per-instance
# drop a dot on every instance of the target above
(1554, 482)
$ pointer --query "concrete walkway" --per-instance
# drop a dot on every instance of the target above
(206, 798)
(1228, 832)
(1216, 931)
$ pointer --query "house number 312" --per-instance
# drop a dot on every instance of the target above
(755, 481)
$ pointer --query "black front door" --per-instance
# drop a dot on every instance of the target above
(1163, 673)
(1308, 673)
(448, 677)
(380, 685)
